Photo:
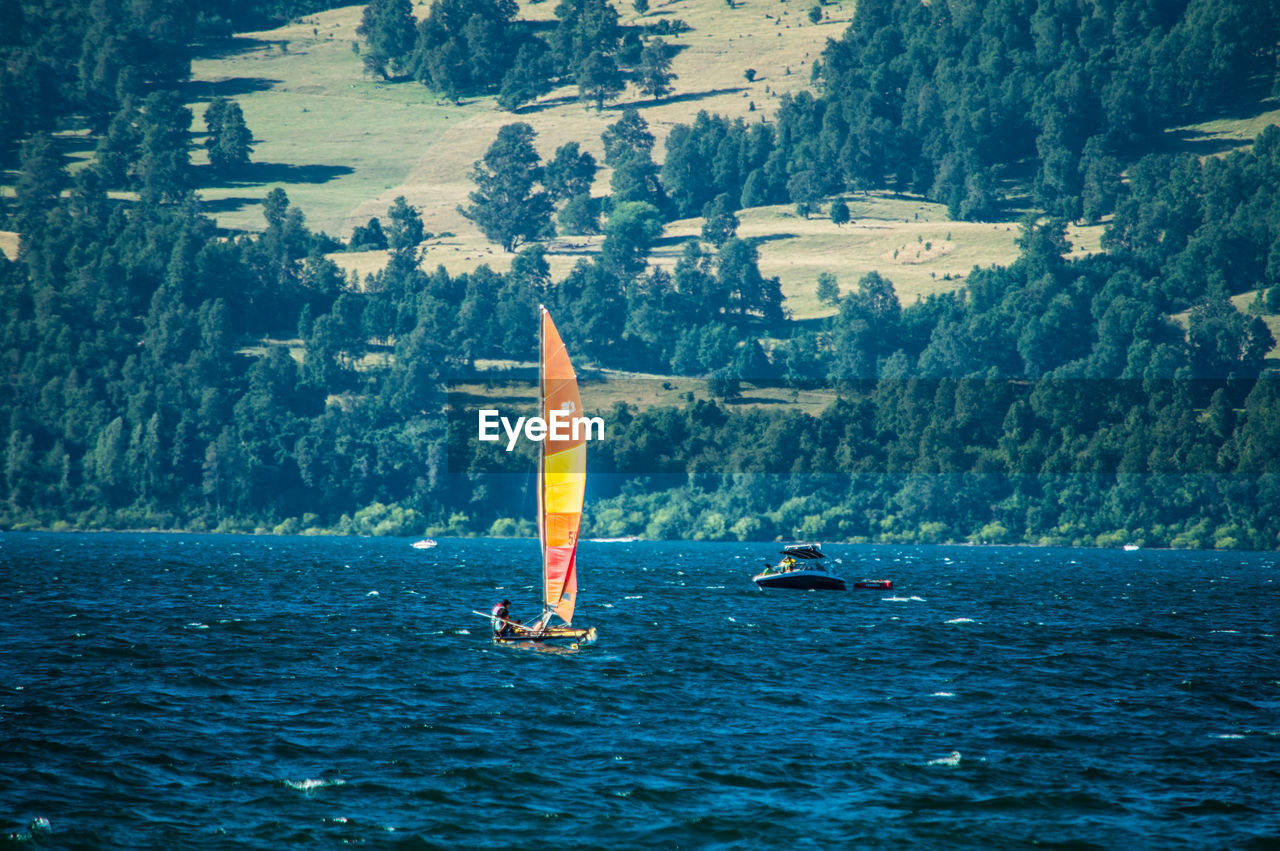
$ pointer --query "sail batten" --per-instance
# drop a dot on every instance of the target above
(562, 474)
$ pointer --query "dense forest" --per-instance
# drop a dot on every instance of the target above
(1054, 400)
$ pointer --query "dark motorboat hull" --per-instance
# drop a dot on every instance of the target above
(803, 580)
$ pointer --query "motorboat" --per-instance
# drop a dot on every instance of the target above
(802, 568)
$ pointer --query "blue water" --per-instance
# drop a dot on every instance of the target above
(161, 691)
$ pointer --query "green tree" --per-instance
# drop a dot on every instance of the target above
(628, 235)
(1225, 343)
(583, 27)
(505, 204)
(592, 300)
(39, 183)
(404, 228)
(389, 31)
(580, 215)
(599, 79)
(368, 237)
(118, 148)
(738, 272)
(1101, 181)
(274, 207)
(828, 289)
(229, 140)
(570, 173)
(839, 212)
(865, 328)
(655, 74)
(468, 45)
(635, 178)
(804, 189)
(445, 69)
(628, 135)
(528, 79)
(164, 163)
(719, 222)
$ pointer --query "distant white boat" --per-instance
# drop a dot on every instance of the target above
(626, 540)
(1131, 547)
(424, 544)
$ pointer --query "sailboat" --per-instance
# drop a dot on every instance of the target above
(562, 483)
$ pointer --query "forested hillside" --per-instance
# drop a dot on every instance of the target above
(1094, 398)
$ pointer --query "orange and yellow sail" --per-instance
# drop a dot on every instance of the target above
(563, 477)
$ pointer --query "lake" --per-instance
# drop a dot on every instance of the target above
(163, 690)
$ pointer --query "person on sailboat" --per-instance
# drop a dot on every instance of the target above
(502, 620)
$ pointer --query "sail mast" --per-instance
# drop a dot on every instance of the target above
(542, 452)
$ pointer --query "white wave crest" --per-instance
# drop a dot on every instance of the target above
(952, 760)
(310, 784)
(962, 620)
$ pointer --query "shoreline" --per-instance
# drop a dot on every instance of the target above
(632, 539)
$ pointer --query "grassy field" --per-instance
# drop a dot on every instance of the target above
(329, 135)
(601, 389)
(908, 240)
(344, 146)
(1223, 135)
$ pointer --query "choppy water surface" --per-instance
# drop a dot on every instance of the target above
(166, 690)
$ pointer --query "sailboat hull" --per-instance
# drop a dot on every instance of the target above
(551, 633)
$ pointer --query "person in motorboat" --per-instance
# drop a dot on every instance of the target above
(503, 623)
(788, 564)
(768, 569)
